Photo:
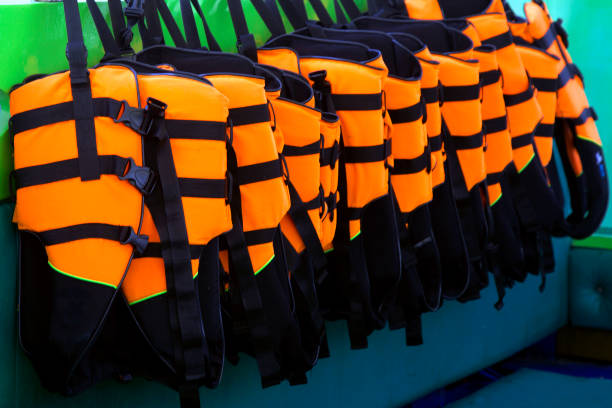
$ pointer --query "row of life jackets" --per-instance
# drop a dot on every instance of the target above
(181, 205)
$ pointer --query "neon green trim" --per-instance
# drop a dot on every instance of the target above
(155, 294)
(601, 240)
(356, 235)
(588, 140)
(266, 264)
(525, 166)
(329, 250)
(495, 202)
(80, 278)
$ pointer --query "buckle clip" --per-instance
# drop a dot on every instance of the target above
(139, 242)
(134, 118)
(140, 177)
(134, 9)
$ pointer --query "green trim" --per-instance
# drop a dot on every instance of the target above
(329, 250)
(495, 202)
(155, 294)
(266, 264)
(600, 240)
(586, 139)
(525, 166)
(80, 278)
(356, 235)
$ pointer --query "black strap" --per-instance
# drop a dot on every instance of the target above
(154, 250)
(254, 173)
(313, 148)
(260, 236)
(340, 17)
(522, 140)
(155, 27)
(249, 115)
(545, 130)
(367, 154)
(494, 178)
(191, 31)
(467, 142)
(351, 9)
(408, 114)
(110, 45)
(519, 98)
(299, 214)
(321, 12)
(245, 41)
(165, 204)
(122, 234)
(461, 93)
(330, 155)
(83, 110)
(546, 84)
(125, 168)
(412, 166)
(586, 114)
(494, 125)
(435, 143)
(547, 39)
(500, 41)
(564, 77)
(431, 95)
(490, 77)
(357, 102)
(203, 188)
(293, 13)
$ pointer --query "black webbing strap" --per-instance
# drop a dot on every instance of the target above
(245, 41)
(494, 125)
(330, 155)
(254, 173)
(461, 93)
(243, 279)
(322, 13)
(490, 77)
(586, 114)
(271, 19)
(150, 26)
(249, 115)
(467, 142)
(500, 41)
(522, 140)
(412, 166)
(408, 114)
(123, 167)
(203, 188)
(340, 17)
(303, 224)
(293, 13)
(191, 31)
(357, 102)
(154, 250)
(152, 7)
(494, 178)
(564, 77)
(165, 204)
(260, 236)
(367, 154)
(83, 111)
(547, 39)
(351, 8)
(134, 12)
(435, 143)
(310, 149)
(110, 45)
(519, 98)
(122, 234)
(546, 84)
(545, 130)
(430, 95)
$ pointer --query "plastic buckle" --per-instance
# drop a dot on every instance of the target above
(155, 109)
(140, 177)
(134, 9)
(139, 242)
(134, 118)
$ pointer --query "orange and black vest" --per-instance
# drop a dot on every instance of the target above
(575, 129)
(464, 144)
(259, 315)
(364, 265)
(420, 288)
(106, 184)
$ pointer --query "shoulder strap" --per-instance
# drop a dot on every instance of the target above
(191, 31)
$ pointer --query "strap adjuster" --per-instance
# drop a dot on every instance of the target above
(134, 118)
(140, 177)
(139, 242)
(134, 9)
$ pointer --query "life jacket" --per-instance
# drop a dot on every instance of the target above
(87, 311)
(345, 83)
(575, 129)
(458, 75)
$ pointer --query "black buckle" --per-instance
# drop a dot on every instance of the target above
(139, 242)
(134, 9)
(134, 118)
(155, 109)
(140, 177)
